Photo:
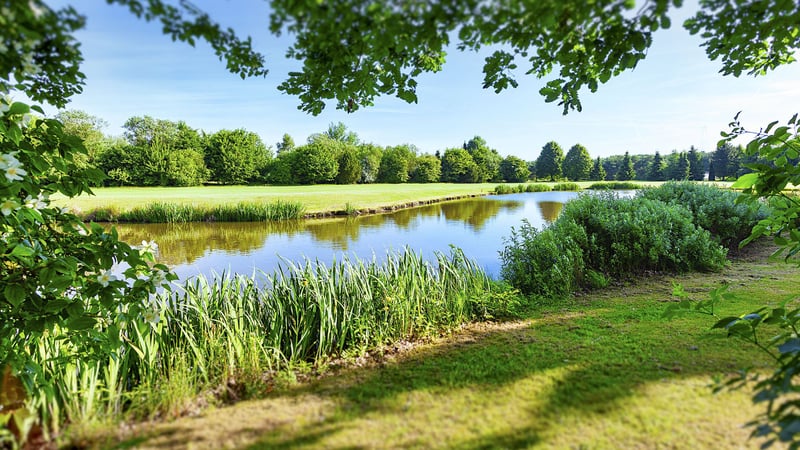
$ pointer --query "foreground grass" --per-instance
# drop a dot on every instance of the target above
(316, 199)
(599, 371)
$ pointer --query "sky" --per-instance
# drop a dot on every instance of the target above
(674, 99)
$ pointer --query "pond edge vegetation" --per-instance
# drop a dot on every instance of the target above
(250, 211)
(230, 337)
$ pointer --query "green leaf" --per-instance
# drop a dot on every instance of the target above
(15, 294)
(745, 181)
(725, 322)
(22, 251)
(19, 108)
(81, 323)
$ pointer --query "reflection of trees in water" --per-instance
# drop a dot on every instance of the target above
(477, 212)
(550, 210)
(185, 243)
(338, 232)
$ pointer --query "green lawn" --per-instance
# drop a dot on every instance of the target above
(317, 198)
(600, 371)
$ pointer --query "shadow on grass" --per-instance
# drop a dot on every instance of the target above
(503, 385)
(582, 364)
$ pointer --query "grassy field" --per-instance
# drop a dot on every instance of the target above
(602, 371)
(317, 198)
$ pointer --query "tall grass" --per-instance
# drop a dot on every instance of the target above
(520, 188)
(568, 186)
(616, 185)
(225, 336)
(160, 212)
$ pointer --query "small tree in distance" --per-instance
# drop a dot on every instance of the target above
(548, 164)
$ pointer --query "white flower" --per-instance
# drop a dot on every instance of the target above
(81, 229)
(105, 277)
(159, 278)
(15, 173)
(151, 315)
(8, 206)
(9, 160)
(38, 202)
(148, 247)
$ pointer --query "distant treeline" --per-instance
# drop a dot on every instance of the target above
(156, 152)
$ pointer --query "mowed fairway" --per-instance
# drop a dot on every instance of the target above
(317, 198)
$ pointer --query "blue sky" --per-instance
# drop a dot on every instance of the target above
(672, 100)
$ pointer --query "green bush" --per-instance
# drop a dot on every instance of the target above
(547, 262)
(537, 187)
(567, 187)
(602, 237)
(616, 185)
(714, 209)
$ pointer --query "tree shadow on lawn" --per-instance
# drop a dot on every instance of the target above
(520, 381)
(504, 385)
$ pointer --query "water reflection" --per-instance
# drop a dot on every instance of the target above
(550, 210)
(183, 244)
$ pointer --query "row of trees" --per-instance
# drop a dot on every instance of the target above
(155, 152)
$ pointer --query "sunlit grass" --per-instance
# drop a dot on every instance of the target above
(315, 199)
(603, 370)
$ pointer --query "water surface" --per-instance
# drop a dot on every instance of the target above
(476, 225)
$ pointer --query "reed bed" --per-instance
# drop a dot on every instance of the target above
(569, 186)
(161, 212)
(229, 336)
(615, 185)
(520, 188)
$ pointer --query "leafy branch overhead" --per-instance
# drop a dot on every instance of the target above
(354, 51)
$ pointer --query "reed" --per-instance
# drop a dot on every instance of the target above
(615, 185)
(226, 335)
(161, 212)
(569, 186)
(520, 188)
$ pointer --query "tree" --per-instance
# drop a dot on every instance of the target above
(286, 144)
(577, 164)
(338, 131)
(458, 166)
(396, 164)
(396, 44)
(486, 159)
(236, 156)
(349, 166)
(514, 170)
(90, 129)
(548, 164)
(428, 169)
(370, 158)
(598, 173)
(626, 172)
(313, 163)
(657, 167)
(696, 170)
(722, 160)
(682, 169)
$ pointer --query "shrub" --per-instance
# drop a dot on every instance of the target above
(714, 209)
(537, 187)
(598, 237)
(545, 262)
(567, 187)
(620, 185)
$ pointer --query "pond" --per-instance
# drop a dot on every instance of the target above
(476, 225)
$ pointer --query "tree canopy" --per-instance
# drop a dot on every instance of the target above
(354, 51)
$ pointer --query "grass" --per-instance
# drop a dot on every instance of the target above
(603, 370)
(227, 334)
(317, 199)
